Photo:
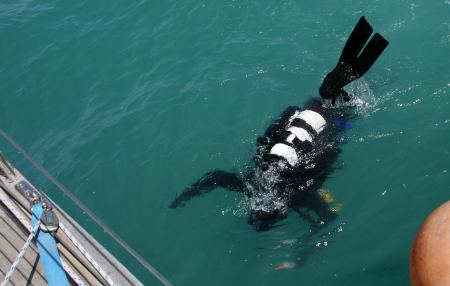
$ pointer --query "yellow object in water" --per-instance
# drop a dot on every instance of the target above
(326, 196)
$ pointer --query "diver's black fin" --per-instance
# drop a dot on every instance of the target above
(356, 40)
(351, 66)
(371, 53)
(207, 183)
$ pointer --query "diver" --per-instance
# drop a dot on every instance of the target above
(298, 150)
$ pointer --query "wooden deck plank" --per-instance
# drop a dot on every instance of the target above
(13, 238)
(27, 265)
(18, 278)
(11, 224)
(77, 264)
(17, 237)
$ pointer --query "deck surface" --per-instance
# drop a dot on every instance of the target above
(12, 238)
(29, 271)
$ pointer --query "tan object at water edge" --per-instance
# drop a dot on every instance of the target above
(429, 262)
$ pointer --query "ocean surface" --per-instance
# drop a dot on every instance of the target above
(129, 102)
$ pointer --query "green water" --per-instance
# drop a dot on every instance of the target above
(129, 102)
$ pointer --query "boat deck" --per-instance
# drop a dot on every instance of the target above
(13, 234)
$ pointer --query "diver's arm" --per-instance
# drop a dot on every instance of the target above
(208, 182)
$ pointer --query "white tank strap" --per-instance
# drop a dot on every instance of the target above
(286, 152)
(312, 118)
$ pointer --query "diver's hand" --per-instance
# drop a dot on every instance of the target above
(338, 100)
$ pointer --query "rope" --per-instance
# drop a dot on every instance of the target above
(7, 202)
(87, 255)
(72, 273)
(20, 255)
(15, 211)
(89, 212)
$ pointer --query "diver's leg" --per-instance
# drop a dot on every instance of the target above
(322, 203)
(207, 183)
(304, 214)
(351, 66)
(370, 53)
(356, 40)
